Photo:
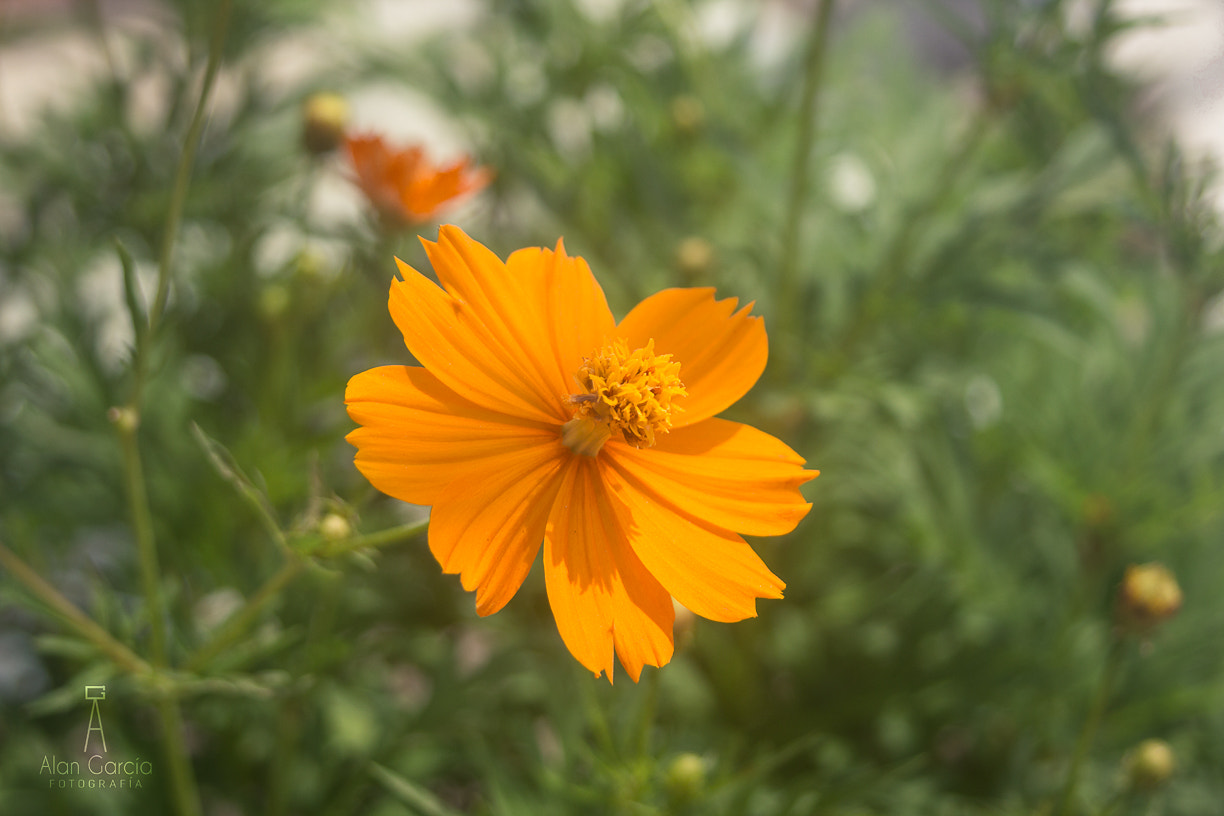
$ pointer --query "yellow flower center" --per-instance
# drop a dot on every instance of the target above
(626, 391)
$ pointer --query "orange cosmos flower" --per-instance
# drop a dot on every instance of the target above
(536, 417)
(403, 186)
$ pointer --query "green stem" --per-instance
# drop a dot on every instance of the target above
(121, 655)
(598, 720)
(241, 621)
(288, 730)
(289, 718)
(142, 524)
(1092, 722)
(238, 623)
(93, 14)
(383, 538)
(225, 465)
(647, 713)
(182, 176)
(892, 267)
(788, 273)
(182, 779)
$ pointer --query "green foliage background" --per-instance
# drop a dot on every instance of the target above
(1002, 356)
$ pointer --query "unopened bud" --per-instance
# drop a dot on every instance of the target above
(308, 265)
(1149, 596)
(688, 114)
(694, 257)
(273, 302)
(125, 419)
(324, 118)
(335, 527)
(685, 778)
(1149, 764)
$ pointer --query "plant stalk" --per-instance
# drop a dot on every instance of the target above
(182, 778)
(241, 621)
(1092, 722)
(119, 654)
(182, 176)
(142, 527)
(383, 538)
(238, 623)
(183, 784)
(788, 273)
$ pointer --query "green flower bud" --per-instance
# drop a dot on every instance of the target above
(324, 118)
(335, 527)
(1149, 764)
(686, 777)
(694, 257)
(1148, 597)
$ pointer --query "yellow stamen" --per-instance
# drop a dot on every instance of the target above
(626, 391)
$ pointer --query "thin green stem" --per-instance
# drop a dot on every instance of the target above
(182, 779)
(889, 275)
(788, 273)
(121, 655)
(383, 538)
(1092, 722)
(183, 786)
(241, 621)
(288, 730)
(646, 714)
(93, 13)
(596, 716)
(182, 176)
(142, 525)
(229, 470)
(288, 722)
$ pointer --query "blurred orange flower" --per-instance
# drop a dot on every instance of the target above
(536, 417)
(403, 186)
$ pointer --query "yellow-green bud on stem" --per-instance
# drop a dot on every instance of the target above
(694, 257)
(274, 302)
(324, 118)
(686, 777)
(688, 114)
(1149, 765)
(1148, 597)
(126, 419)
(335, 527)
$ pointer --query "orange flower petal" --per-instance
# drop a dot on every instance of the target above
(542, 308)
(507, 337)
(489, 529)
(603, 599)
(427, 192)
(401, 183)
(712, 572)
(418, 436)
(723, 473)
(505, 305)
(574, 311)
(721, 353)
(447, 336)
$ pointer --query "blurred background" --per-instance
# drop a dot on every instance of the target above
(985, 237)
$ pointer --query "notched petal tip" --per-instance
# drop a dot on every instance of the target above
(452, 233)
(405, 269)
